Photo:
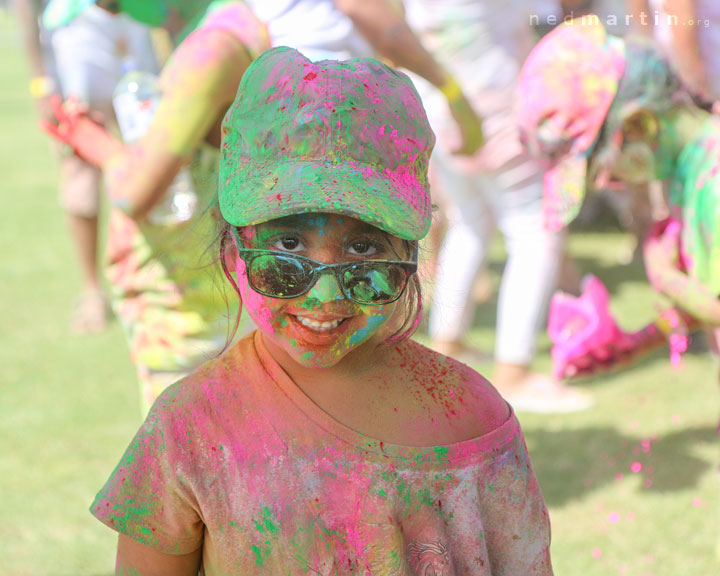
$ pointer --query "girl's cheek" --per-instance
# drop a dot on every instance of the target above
(374, 322)
(255, 304)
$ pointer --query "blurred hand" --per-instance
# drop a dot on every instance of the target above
(72, 124)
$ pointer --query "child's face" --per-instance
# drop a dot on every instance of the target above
(321, 327)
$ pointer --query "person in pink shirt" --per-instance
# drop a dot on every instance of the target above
(327, 441)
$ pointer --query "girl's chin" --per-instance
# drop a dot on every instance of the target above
(312, 348)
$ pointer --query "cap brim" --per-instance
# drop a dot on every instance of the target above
(394, 202)
(564, 187)
(61, 12)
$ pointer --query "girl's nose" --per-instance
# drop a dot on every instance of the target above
(326, 289)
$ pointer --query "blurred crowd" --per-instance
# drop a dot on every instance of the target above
(531, 104)
(464, 56)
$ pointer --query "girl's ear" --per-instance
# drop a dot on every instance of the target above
(229, 252)
(642, 125)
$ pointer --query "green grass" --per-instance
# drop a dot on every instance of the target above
(68, 404)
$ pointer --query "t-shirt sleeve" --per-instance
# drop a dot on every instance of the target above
(517, 524)
(148, 496)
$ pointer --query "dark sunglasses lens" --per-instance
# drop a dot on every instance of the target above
(281, 277)
(374, 282)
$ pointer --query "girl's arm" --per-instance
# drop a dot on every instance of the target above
(135, 559)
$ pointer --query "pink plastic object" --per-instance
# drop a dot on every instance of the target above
(582, 327)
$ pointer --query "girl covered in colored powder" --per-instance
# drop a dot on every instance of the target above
(601, 109)
(327, 442)
(163, 290)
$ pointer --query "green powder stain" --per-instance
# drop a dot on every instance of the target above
(441, 453)
(382, 493)
(426, 497)
(403, 491)
(267, 523)
(258, 555)
(270, 522)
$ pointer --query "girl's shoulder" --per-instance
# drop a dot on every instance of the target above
(455, 391)
(222, 383)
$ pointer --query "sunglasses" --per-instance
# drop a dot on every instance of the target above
(284, 275)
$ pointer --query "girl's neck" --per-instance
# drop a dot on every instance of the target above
(357, 366)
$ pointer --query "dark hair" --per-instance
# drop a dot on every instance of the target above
(411, 298)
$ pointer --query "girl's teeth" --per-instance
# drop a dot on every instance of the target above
(318, 326)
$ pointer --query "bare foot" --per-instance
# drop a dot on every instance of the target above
(91, 313)
(528, 391)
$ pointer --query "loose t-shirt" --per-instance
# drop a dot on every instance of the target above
(236, 459)
(695, 200)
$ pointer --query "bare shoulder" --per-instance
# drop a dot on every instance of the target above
(455, 388)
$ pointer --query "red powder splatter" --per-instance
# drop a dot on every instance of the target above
(310, 76)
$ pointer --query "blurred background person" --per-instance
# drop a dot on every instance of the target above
(689, 33)
(84, 61)
(484, 43)
(343, 28)
(163, 283)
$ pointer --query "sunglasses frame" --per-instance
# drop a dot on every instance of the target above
(319, 268)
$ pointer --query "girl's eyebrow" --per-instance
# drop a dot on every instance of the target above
(310, 220)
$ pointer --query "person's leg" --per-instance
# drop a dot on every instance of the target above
(462, 255)
(528, 281)
(80, 191)
(82, 53)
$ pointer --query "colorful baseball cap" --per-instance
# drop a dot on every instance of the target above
(564, 92)
(343, 137)
(151, 12)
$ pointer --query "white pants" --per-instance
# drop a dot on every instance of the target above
(478, 204)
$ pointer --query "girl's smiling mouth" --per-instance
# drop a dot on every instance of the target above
(319, 325)
(323, 331)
